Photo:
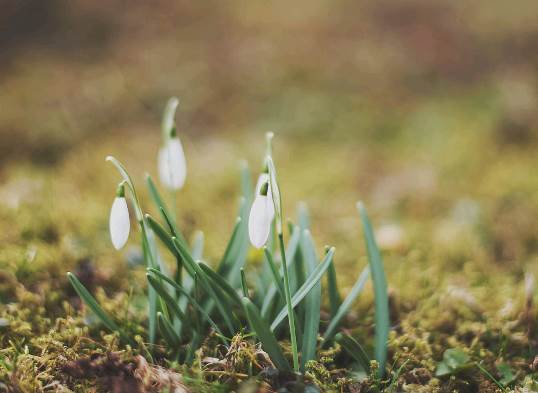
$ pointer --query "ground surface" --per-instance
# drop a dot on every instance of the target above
(426, 113)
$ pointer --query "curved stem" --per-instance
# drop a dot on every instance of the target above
(147, 248)
(291, 313)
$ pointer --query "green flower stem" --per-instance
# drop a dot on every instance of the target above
(291, 315)
(173, 201)
(151, 259)
(179, 263)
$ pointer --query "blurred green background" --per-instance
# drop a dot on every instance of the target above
(425, 110)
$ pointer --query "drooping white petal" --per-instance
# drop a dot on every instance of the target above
(262, 179)
(172, 164)
(119, 222)
(275, 193)
(259, 221)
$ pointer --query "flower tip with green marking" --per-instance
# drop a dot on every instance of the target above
(263, 179)
(172, 164)
(260, 217)
(119, 222)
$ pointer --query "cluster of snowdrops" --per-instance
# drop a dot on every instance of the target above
(195, 300)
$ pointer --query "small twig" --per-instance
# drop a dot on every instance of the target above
(397, 375)
(487, 373)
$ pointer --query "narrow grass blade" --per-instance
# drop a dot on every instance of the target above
(312, 303)
(93, 305)
(490, 376)
(163, 235)
(293, 246)
(193, 268)
(154, 251)
(291, 249)
(174, 230)
(301, 264)
(277, 278)
(265, 277)
(196, 294)
(197, 245)
(195, 304)
(167, 331)
(170, 302)
(228, 257)
(155, 195)
(269, 303)
(166, 239)
(186, 256)
(356, 351)
(259, 294)
(296, 281)
(382, 319)
(197, 254)
(303, 216)
(244, 286)
(193, 346)
(345, 306)
(310, 282)
(289, 304)
(395, 376)
(263, 332)
(335, 300)
(242, 244)
(298, 273)
(220, 282)
(164, 211)
(152, 296)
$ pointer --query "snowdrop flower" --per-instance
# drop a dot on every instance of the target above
(261, 215)
(172, 164)
(119, 219)
(263, 179)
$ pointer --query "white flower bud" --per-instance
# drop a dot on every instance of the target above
(263, 179)
(119, 220)
(261, 215)
(172, 164)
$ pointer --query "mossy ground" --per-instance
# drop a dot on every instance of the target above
(449, 288)
(435, 147)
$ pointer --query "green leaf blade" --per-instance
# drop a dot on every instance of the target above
(220, 282)
(335, 300)
(382, 319)
(92, 303)
(267, 338)
(94, 306)
(310, 282)
(197, 305)
(354, 349)
(167, 331)
(172, 305)
(346, 305)
(163, 235)
(312, 303)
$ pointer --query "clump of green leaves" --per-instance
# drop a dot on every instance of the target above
(197, 300)
(454, 360)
